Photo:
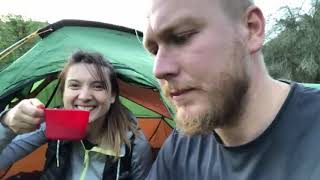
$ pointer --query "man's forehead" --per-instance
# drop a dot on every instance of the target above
(160, 29)
(169, 13)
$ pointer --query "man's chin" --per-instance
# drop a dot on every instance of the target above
(192, 123)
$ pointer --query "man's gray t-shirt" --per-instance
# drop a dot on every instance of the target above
(289, 149)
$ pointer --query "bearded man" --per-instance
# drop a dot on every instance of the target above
(234, 122)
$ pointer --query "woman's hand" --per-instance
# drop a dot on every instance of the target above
(25, 116)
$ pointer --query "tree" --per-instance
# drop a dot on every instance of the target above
(12, 29)
(294, 53)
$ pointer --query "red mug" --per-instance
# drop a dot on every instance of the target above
(66, 124)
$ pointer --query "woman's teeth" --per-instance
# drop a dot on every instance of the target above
(86, 108)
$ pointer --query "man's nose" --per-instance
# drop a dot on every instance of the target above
(166, 65)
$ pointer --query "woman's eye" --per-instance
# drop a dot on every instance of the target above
(98, 87)
(73, 86)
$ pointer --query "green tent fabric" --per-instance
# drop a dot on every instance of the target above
(313, 85)
(122, 48)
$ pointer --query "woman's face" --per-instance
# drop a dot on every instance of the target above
(83, 90)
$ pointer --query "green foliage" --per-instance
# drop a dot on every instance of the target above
(12, 29)
(294, 53)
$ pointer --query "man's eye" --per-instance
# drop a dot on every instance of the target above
(181, 38)
(153, 49)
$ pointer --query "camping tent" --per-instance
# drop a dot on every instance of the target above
(35, 73)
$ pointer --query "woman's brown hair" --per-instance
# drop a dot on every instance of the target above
(118, 120)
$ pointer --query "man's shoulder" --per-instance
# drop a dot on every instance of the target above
(302, 106)
(184, 154)
(306, 97)
(178, 142)
(307, 90)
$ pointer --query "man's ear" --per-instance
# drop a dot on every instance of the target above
(255, 24)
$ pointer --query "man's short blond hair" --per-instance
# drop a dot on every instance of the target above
(235, 8)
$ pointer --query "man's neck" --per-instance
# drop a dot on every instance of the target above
(264, 100)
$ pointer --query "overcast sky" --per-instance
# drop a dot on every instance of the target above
(130, 13)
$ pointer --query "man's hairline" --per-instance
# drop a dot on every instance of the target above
(232, 11)
(173, 24)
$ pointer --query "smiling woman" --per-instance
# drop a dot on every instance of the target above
(93, 93)
(113, 147)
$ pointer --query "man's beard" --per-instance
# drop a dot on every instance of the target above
(225, 103)
(224, 108)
